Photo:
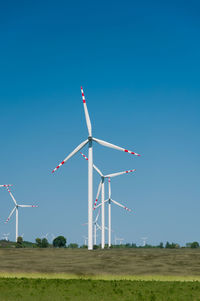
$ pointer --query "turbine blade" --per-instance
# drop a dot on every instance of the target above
(11, 196)
(96, 219)
(10, 215)
(23, 206)
(97, 206)
(78, 148)
(98, 227)
(98, 192)
(107, 144)
(84, 224)
(94, 166)
(6, 185)
(87, 117)
(101, 204)
(118, 204)
(119, 173)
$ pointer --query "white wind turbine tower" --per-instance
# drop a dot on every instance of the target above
(101, 188)
(17, 206)
(90, 141)
(110, 200)
(85, 240)
(96, 227)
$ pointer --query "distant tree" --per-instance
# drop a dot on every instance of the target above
(95, 247)
(172, 245)
(147, 246)
(73, 246)
(161, 245)
(44, 243)
(194, 245)
(188, 245)
(38, 242)
(133, 245)
(19, 243)
(59, 242)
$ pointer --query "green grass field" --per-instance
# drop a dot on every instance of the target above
(116, 274)
(25, 289)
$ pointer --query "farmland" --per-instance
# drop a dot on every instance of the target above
(124, 262)
(84, 290)
(116, 274)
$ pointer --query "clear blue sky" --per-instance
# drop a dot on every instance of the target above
(139, 65)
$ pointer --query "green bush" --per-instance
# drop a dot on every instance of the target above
(59, 242)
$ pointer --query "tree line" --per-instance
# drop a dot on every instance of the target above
(61, 242)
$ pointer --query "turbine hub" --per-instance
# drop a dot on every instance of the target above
(90, 138)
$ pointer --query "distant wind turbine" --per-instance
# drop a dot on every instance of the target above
(144, 239)
(5, 236)
(118, 239)
(101, 189)
(110, 200)
(17, 206)
(96, 227)
(85, 240)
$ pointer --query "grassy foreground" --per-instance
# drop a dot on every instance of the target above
(66, 274)
(25, 289)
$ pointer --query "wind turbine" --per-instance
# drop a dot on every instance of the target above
(45, 236)
(17, 206)
(85, 240)
(118, 239)
(144, 239)
(5, 236)
(52, 237)
(96, 227)
(110, 200)
(90, 141)
(101, 188)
